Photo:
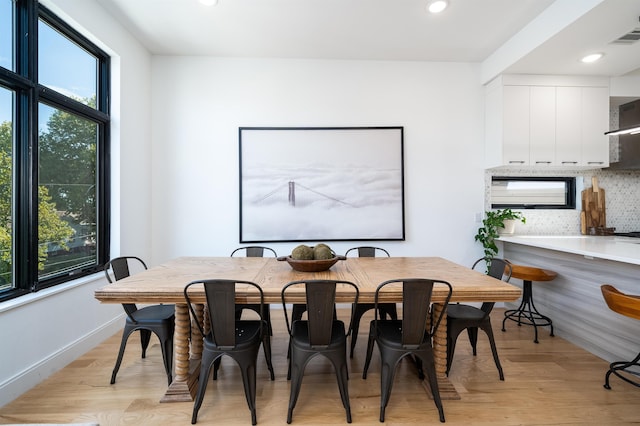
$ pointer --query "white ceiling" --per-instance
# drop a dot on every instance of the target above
(506, 36)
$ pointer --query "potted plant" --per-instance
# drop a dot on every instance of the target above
(492, 225)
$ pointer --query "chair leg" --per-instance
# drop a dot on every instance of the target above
(167, 357)
(342, 375)
(297, 371)
(205, 369)
(452, 338)
(418, 363)
(367, 361)
(267, 318)
(249, 382)
(387, 374)
(145, 338)
(433, 385)
(216, 367)
(472, 332)
(289, 362)
(358, 311)
(266, 346)
(123, 344)
(616, 367)
(494, 350)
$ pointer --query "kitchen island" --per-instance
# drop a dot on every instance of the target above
(574, 300)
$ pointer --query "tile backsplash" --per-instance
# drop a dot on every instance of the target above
(622, 201)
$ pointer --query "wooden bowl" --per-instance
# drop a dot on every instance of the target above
(311, 265)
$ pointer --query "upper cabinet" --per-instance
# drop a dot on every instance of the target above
(547, 121)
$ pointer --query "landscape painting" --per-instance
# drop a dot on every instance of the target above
(321, 184)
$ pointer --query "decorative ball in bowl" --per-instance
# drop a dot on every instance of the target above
(316, 258)
(311, 265)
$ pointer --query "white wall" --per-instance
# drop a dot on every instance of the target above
(199, 103)
(44, 331)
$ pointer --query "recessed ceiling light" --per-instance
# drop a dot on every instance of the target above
(209, 2)
(592, 58)
(437, 6)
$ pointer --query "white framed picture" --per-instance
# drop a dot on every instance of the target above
(321, 184)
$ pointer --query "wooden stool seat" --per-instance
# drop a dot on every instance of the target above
(532, 273)
(527, 313)
(629, 306)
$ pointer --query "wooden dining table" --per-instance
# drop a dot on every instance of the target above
(165, 284)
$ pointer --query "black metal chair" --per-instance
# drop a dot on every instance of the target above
(360, 309)
(238, 339)
(410, 336)
(319, 334)
(629, 306)
(255, 251)
(471, 318)
(157, 319)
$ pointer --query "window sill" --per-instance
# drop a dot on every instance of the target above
(48, 292)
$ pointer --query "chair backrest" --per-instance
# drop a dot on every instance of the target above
(120, 268)
(320, 297)
(624, 304)
(368, 251)
(254, 251)
(220, 295)
(497, 268)
(416, 300)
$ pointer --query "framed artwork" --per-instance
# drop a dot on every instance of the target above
(321, 184)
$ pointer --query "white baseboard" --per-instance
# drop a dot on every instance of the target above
(23, 381)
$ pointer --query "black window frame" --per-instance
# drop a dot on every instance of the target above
(570, 192)
(28, 95)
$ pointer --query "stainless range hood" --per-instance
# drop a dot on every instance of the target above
(628, 137)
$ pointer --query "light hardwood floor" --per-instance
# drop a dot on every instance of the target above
(550, 383)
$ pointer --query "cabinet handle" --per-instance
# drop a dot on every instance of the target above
(516, 162)
(595, 162)
(543, 162)
(569, 162)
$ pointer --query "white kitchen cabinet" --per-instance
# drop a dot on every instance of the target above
(515, 129)
(542, 126)
(595, 122)
(547, 122)
(569, 126)
(580, 138)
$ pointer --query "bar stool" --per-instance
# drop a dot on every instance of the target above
(629, 306)
(527, 313)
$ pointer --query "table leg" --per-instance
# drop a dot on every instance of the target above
(447, 390)
(186, 373)
(196, 341)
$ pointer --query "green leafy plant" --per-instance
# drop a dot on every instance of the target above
(493, 221)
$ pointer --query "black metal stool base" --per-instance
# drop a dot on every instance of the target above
(619, 367)
(527, 313)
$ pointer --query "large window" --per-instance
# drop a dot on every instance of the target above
(6, 188)
(54, 118)
(6, 34)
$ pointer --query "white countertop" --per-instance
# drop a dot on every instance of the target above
(619, 249)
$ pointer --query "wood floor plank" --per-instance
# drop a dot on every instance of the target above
(550, 383)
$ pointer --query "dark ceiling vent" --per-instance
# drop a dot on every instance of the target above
(628, 38)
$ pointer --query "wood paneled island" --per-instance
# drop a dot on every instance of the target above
(573, 300)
